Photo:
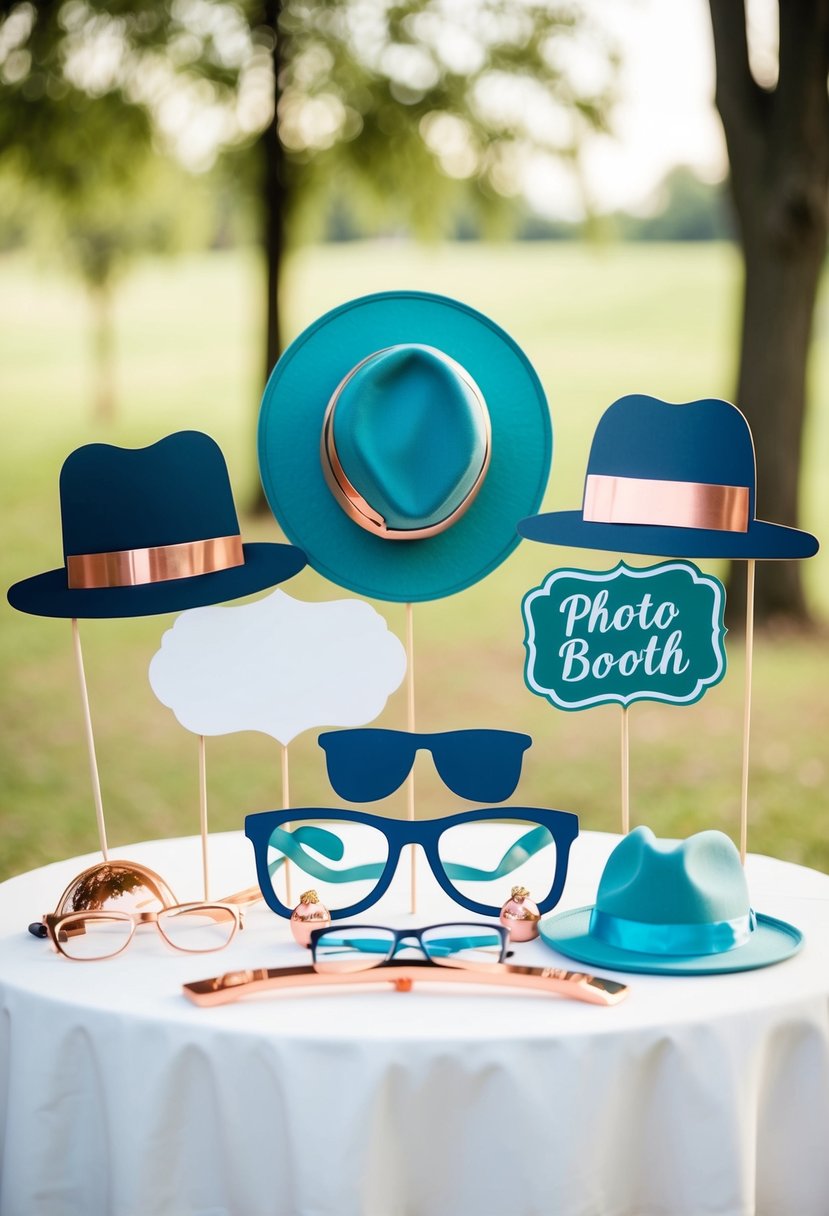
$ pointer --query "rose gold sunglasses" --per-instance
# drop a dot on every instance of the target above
(98, 913)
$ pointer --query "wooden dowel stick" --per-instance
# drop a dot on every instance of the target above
(410, 726)
(625, 771)
(90, 740)
(286, 802)
(203, 813)
(749, 650)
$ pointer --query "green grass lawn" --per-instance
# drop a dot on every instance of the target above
(597, 323)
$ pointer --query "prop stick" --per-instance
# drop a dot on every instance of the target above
(410, 725)
(625, 771)
(750, 564)
(203, 811)
(286, 802)
(90, 740)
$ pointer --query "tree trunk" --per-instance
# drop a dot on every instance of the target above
(778, 147)
(273, 199)
(273, 202)
(778, 306)
(103, 353)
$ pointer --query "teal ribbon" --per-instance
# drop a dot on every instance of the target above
(322, 840)
(641, 937)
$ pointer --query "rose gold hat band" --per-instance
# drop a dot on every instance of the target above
(672, 504)
(136, 567)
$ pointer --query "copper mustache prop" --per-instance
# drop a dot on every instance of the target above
(577, 985)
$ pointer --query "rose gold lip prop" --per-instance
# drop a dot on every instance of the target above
(577, 985)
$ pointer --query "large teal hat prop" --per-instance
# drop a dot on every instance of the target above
(150, 530)
(671, 481)
(401, 438)
(668, 907)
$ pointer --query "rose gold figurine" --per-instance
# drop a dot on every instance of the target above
(307, 915)
(520, 915)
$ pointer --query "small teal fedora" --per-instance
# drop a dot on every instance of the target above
(668, 907)
(401, 438)
(150, 530)
(671, 480)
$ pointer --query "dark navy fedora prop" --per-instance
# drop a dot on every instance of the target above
(671, 481)
(669, 907)
(401, 438)
(150, 530)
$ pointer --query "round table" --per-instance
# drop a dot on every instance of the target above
(705, 1095)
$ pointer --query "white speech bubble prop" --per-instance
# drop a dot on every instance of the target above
(278, 666)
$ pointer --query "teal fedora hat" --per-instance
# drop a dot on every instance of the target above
(401, 438)
(667, 907)
(671, 480)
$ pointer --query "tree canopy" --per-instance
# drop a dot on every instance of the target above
(408, 108)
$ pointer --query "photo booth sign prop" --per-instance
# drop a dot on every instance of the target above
(624, 635)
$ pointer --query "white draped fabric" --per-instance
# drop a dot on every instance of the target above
(705, 1096)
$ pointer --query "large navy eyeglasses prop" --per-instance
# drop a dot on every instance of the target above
(481, 765)
(352, 856)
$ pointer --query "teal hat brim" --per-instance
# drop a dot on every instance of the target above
(569, 934)
(290, 425)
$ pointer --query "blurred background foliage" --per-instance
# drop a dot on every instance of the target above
(387, 114)
(137, 127)
(289, 154)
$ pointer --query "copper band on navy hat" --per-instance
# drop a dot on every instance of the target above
(672, 504)
(158, 564)
(355, 505)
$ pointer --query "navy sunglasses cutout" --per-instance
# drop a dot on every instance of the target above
(371, 763)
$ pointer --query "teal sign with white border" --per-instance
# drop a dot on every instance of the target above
(651, 633)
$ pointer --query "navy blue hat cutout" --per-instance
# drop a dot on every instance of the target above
(671, 480)
(150, 530)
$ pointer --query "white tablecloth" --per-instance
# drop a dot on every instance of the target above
(696, 1097)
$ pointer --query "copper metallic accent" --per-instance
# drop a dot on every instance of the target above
(74, 924)
(133, 885)
(309, 914)
(577, 985)
(136, 567)
(520, 916)
(673, 504)
(356, 507)
(124, 891)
